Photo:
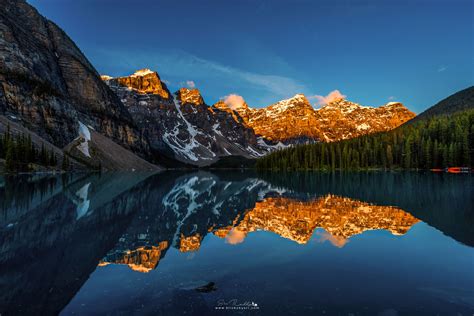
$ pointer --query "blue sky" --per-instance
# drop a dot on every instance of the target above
(416, 52)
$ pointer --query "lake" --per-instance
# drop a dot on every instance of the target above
(219, 243)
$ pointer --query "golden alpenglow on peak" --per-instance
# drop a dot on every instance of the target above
(144, 81)
(190, 243)
(192, 96)
(289, 119)
(340, 217)
(343, 119)
(105, 77)
(143, 259)
(296, 120)
(142, 72)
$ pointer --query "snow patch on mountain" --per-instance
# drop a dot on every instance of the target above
(215, 128)
(82, 201)
(191, 191)
(84, 131)
(284, 105)
(270, 147)
(142, 72)
(253, 152)
(85, 134)
(190, 148)
(344, 106)
(363, 127)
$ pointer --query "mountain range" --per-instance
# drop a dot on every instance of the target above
(49, 87)
(182, 126)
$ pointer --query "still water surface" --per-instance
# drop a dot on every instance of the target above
(204, 243)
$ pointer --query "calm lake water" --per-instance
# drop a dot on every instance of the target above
(203, 243)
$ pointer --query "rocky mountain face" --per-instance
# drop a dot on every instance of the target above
(288, 121)
(181, 125)
(343, 119)
(48, 85)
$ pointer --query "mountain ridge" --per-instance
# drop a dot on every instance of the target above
(187, 129)
(458, 101)
(317, 123)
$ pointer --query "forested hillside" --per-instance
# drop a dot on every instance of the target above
(434, 142)
(459, 101)
(20, 153)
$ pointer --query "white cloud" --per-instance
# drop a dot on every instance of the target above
(331, 97)
(188, 84)
(338, 241)
(235, 237)
(234, 101)
(391, 98)
(278, 85)
(442, 68)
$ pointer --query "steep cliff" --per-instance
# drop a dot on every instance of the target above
(49, 85)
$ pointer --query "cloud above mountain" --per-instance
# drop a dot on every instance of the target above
(235, 237)
(337, 241)
(234, 101)
(322, 100)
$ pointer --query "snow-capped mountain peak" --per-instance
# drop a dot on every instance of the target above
(105, 77)
(344, 105)
(144, 81)
(297, 99)
(343, 119)
(393, 105)
(142, 72)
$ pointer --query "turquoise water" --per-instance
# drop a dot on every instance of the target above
(271, 244)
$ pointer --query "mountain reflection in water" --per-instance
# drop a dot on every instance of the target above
(340, 217)
(59, 233)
